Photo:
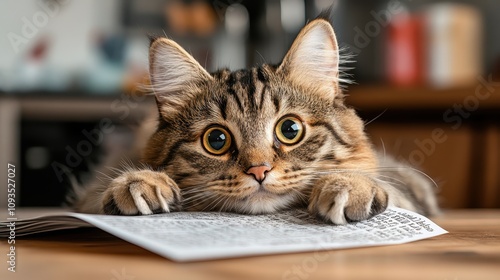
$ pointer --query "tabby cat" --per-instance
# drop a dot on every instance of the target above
(258, 141)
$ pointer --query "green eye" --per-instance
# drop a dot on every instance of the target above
(216, 140)
(289, 130)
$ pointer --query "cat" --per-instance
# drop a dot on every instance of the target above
(259, 140)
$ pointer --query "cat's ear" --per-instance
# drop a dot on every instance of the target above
(313, 59)
(174, 75)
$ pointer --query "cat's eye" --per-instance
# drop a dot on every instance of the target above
(289, 130)
(216, 140)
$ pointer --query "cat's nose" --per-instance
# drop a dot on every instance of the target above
(259, 172)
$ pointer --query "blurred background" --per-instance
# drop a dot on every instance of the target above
(426, 73)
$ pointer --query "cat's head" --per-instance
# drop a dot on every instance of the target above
(254, 140)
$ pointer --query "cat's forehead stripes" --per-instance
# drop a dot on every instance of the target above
(246, 88)
(247, 83)
(231, 81)
(244, 102)
(241, 86)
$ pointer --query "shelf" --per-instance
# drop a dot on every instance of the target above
(80, 108)
(369, 98)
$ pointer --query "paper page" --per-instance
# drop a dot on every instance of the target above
(188, 236)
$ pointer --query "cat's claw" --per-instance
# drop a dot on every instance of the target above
(136, 190)
(141, 192)
(342, 199)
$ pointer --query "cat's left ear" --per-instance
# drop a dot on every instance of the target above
(313, 59)
(174, 74)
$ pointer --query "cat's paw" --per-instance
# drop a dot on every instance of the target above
(141, 192)
(341, 199)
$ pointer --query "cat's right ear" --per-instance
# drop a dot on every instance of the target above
(174, 75)
(313, 59)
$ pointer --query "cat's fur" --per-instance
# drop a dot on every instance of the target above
(333, 170)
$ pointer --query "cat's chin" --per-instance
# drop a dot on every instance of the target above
(262, 202)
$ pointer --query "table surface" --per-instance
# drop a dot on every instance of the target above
(471, 250)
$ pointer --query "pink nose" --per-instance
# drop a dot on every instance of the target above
(259, 172)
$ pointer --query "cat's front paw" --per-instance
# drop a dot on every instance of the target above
(340, 199)
(141, 192)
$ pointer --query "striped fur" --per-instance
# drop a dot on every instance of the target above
(332, 170)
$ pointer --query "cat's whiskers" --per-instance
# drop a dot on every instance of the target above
(381, 177)
(384, 182)
(223, 199)
(197, 193)
(226, 202)
(399, 168)
(367, 171)
(193, 194)
(199, 200)
(375, 118)
(192, 189)
(213, 203)
(300, 194)
(188, 196)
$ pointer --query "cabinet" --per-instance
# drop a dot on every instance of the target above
(40, 134)
(452, 135)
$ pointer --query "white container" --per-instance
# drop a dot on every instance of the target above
(454, 52)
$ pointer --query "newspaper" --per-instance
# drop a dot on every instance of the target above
(190, 236)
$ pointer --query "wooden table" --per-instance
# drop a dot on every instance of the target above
(470, 251)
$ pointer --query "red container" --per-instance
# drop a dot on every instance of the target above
(405, 58)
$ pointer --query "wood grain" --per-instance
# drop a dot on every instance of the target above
(470, 251)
